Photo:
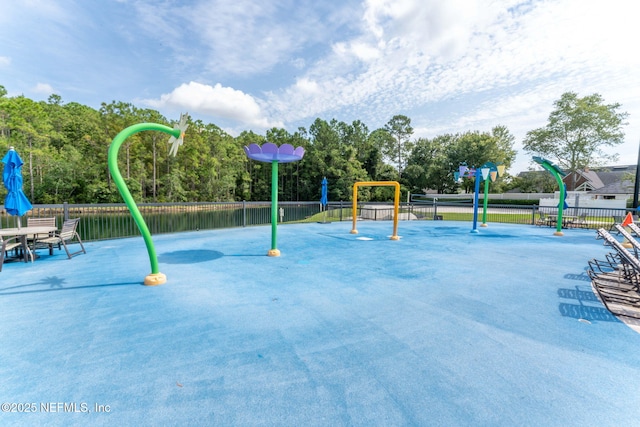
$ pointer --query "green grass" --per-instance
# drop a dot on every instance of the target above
(332, 216)
(507, 218)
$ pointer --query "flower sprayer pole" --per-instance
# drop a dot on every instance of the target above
(274, 209)
(271, 153)
(476, 196)
(485, 201)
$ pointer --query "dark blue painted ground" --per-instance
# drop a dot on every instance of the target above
(443, 328)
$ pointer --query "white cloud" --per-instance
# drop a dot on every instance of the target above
(415, 53)
(409, 52)
(43, 89)
(361, 50)
(434, 28)
(215, 101)
(305, 85)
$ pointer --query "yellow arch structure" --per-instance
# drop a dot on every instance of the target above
(396, 203)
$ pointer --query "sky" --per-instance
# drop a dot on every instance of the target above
(450, 66)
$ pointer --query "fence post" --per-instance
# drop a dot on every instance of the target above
(244, 213)
(65, 211)
(341, 210)
(435, 208)
(533, 214)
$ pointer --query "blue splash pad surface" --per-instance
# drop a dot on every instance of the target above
(443, 327)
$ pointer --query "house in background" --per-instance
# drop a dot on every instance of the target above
(606, 187)
(607, 183)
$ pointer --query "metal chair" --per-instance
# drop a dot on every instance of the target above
(581, 222)
(7, 245)
(64, 237)
(616, 220)
(543, 219)
(41, 222)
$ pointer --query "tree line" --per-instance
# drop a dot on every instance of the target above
(64, 147)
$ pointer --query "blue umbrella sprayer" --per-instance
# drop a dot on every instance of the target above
(324, 199)
(16, 203)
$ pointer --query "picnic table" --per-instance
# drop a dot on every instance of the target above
(567, 220)
(23, 233)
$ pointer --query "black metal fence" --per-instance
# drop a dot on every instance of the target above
(110, 221)
(501, 213)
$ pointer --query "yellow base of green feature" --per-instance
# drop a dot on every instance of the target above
(273, 252)
(155, 279)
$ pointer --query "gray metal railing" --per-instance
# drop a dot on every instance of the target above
(110, 221)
